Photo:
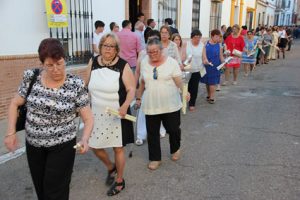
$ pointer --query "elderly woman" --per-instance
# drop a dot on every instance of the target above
(111, 84)
(52, 104)
(171, 47)
(249, 57)
(161, 81)
(141, 125)
(234, 42)
(212, 58)
(194, 48)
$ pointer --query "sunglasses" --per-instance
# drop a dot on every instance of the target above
(155, 74)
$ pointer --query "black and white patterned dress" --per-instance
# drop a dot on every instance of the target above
(107, 89)
(50, 112)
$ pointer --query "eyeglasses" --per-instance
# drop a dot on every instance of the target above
(58, 66)
(155, 73)
(152, 52)
(109, 46)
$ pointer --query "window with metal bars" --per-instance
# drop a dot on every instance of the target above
(196, 14)
(215, 15)
(78, 36)
(167, 9)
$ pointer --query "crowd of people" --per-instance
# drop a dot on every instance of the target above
(145, 66)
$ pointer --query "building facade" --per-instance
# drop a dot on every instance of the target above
(27, 26)
(284, 12)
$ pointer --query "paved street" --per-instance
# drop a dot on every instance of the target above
(244, 147)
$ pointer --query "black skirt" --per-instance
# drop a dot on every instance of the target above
(282, 43)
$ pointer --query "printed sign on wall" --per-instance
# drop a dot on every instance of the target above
(57, 15)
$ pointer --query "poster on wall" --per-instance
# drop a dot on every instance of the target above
(56, 13)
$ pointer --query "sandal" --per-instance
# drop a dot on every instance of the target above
(211, 101)
(192, 108)
(111, 176)
(113, 189)
(207, 98)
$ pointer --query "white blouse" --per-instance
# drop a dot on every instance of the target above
(196, 52)
(161, 95)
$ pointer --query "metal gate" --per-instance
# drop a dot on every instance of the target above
(78, 36)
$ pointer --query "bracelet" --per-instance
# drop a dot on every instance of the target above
(11, 134)
(138, 99)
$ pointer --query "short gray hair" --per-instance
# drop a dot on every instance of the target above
(154, 41)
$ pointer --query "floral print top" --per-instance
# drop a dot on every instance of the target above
(51, 111)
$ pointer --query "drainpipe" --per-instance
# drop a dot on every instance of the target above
(254, 21)
(241, 12)
(232, 12)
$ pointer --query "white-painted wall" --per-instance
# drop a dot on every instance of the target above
(205, 17)
(24, 23)
(23, 26)
(109, 11)
(186, 18)
(270, 11)
(226, 7)
(247, 4)
(260, 9)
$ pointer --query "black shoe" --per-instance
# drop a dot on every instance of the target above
(111, 176)
(113, 189)
(211, 101)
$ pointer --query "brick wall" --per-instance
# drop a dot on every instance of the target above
(11, 72)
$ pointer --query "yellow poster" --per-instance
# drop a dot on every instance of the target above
(57, 13)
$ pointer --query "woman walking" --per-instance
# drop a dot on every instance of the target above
(282, 42)
(111, 84)
(180, 45)
(212, 58)
(171, 47)
(249, 54)
(52, 105)
(274, 44)
(160, 83)
(234, 42)
(194, 48)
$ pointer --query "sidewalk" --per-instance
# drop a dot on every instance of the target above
(3, 127)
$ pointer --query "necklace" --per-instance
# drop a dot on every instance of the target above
(108, 63)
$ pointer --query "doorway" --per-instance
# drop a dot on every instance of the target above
(134, 10)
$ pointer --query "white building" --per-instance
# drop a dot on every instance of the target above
(27, 25)
(284, 12)
(270, 13)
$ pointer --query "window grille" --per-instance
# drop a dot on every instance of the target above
(215, 15)
(167, 9)
(196, 14)
(77, 37)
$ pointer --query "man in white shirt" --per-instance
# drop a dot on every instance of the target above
(139, 29)
(99, 28)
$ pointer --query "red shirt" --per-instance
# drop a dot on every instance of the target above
(235, 43)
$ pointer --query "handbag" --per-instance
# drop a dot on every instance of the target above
(22, 110)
